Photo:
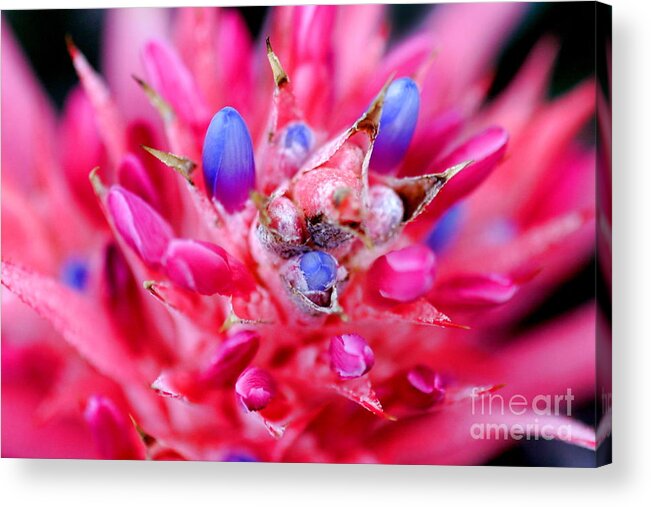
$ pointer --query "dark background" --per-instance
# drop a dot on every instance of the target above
(571, 22)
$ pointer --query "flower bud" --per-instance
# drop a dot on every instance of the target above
(427, 386)
(116, 274)
(228, 163)
(319, 270)
(133, 176)
(446, 229)
(397, 125)
(284, 233)
(141, 227)
(313, 280)
(238, 457)
(231, 358)
(402, 276)
(330, 198)
(256, 388)
(206, 268)
(115, 437)
(75, 273)
(385, 214)
(297, 141)
(350, 356)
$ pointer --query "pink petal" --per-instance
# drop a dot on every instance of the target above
(474, 291)
(485, 150)
(515, 106)
(24, 436)
(109, 119)
(114, 435)
(558, 357)
(81, 147)
(125, 32)
(467, 38)
(78, 320)
(26, 108)
(170, 77)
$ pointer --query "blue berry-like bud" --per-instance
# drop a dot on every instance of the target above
(445, 230)
(319, 269)
(298, 137)
(397, 125)
(228, 163)
(74, 273)
(239, 457)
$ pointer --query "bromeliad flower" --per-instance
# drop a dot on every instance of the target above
(331, 269)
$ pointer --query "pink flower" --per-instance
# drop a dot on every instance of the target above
(343, 230)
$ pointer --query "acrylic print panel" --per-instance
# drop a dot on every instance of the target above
(353, 234)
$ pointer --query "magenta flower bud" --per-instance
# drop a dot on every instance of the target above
(228, 163)
(403, 275)
(133, 176)
(385, 214)
(350, 356)
(422, 388)
(231, 358)
(141, 227)
(256, 388)
(426, 381)
(206, 268)
(116, 274)
(113, 434)
(397, 125)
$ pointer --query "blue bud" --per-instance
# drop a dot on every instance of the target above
(445, 229)
(241, 457)
(74, 273)
(319, 270)
(397, 125)
(298, 136)
(228, 164)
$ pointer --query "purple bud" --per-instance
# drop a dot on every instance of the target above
(228, 163)
(397, 125)
(350, 356)
(255, 388)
